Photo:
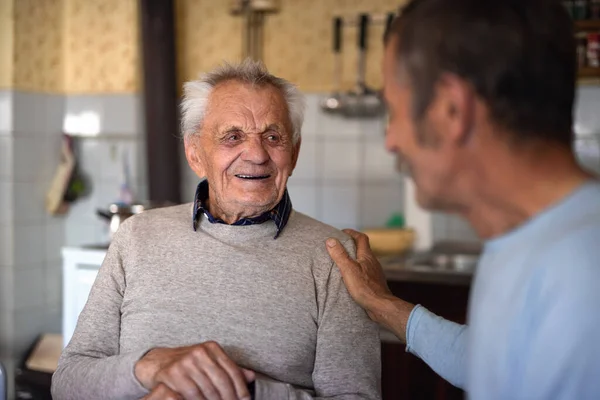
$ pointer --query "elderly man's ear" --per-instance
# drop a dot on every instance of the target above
(295, 155)
(192, 154)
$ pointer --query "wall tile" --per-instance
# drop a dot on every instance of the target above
(29, 323)
(30, 155)
(6, 245)
(341, 160)
(113, 155)
(53, 283)
(29, 286)
(460, 230)
(55, 237)
(53, 319)
(118, 114)
(331, 125)
(379, 163)
(121, 114)
(29, 201)
(304, 198)
(6, 157)
(587, 118)
(7, 302)
(83, 114)
(38, 113)
(7, 207)
(374, 129)
(307, 165)
(379, 202)
(6, 112)
(30, 244)
(7, 334)
(90, 158)
(340, 205)
(311, 128)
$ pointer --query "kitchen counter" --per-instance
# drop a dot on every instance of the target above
(395, 270)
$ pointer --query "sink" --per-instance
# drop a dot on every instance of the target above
(445, 258)
(443, 262)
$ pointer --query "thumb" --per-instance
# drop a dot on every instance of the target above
(338, 254)
(249, 375)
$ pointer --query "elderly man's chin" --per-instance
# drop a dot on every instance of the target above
(258, 194)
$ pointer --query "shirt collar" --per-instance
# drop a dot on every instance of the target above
(280, 214)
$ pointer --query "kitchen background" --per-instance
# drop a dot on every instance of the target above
(73, 66)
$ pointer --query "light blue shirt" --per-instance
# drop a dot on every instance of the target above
(534, 312)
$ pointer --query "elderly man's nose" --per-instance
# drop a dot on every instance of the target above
(255, 152)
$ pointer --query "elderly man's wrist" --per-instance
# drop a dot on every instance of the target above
(393, 313)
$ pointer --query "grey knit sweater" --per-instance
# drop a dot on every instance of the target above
(277, 306)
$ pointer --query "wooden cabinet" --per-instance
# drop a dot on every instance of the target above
(405, 376)
(582, 29)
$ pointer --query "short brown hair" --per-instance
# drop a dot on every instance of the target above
(519, 56)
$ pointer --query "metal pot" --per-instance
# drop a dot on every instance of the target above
(117, 213)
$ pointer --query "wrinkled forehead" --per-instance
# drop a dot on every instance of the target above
(261, 104)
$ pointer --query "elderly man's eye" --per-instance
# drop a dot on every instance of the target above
(273, 137)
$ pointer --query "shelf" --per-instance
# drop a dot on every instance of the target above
(588, 72)
(587, 25)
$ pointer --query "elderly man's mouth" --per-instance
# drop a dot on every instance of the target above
(252, 177)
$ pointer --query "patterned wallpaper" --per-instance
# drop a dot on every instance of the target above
(101, 46)
(92, 46)
(6, 43)
(297, 40)
(38, 40)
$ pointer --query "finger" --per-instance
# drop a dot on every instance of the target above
(249, 375)
(206, 361)
(205, 385)
(235, 373)
(339, 255)
(180, 382)
(162, 392)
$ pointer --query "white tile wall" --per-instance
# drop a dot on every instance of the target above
(6, 290)
(37, 113)
(6, 112)
(341, 204)
(306, 168)
(30, 282)
(6, 245)
(6, 201)
(305, 198)
(6, 156)
(341, 159)
(118, 114)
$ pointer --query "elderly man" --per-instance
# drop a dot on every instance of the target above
(234, 295)
(480, 96)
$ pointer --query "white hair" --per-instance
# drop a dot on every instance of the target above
(196, 94)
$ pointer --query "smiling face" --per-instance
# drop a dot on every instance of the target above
(437, 148)
(245, 149)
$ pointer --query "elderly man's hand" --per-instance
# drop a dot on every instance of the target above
(367, 285)
(198, 372)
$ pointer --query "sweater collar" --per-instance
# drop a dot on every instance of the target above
(279, 215)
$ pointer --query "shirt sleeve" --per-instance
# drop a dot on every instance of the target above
(348, 352)
(91, 365)
(440, 343)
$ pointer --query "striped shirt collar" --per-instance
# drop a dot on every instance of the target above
(280, 214)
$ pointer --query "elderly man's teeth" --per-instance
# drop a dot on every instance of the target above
(253, 176)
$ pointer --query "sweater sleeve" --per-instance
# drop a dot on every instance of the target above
(91, 366)
(348, 352)
(440, 343)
